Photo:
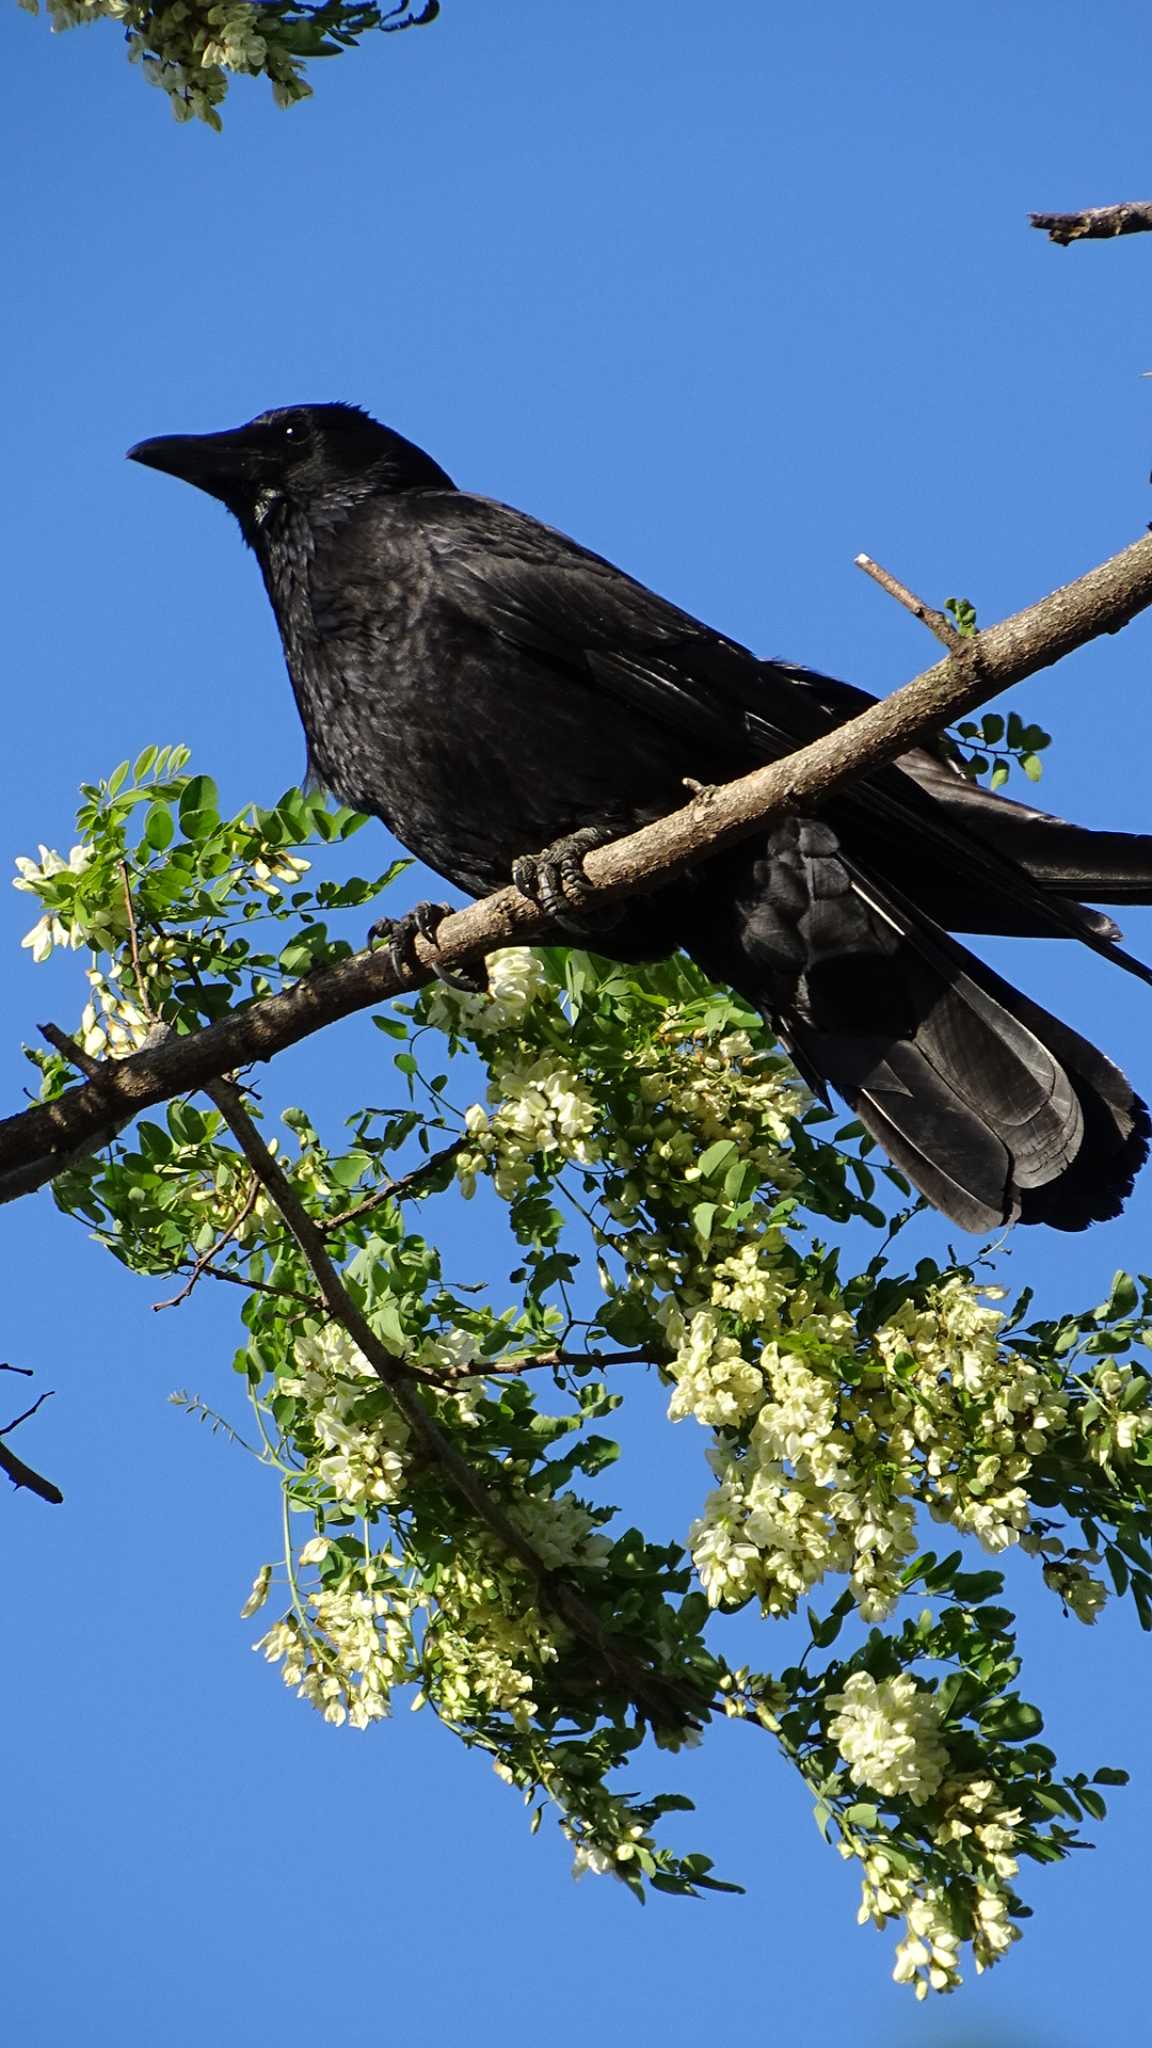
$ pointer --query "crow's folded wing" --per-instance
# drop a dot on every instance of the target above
(989, 864)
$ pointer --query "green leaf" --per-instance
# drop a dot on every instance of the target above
(974, 1587)
(703, 1217)
(1012, 1720)
(158, 828)
(1125, 1295)
(824, 1631)
(199, 803)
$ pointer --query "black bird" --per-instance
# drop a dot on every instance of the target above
(490, 689)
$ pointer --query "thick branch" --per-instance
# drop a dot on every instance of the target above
(37, 1144)
(1096, 223)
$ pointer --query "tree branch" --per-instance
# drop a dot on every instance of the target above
(17, 1471)
(1095, 223)
(39, 1142)
(664, 1701)
(23, 1475)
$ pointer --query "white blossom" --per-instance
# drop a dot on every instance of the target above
(714, 1381)
(361, 1453)
(888, 1732)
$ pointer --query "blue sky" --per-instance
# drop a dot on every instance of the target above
(731, 294)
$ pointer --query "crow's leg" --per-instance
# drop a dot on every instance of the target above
(555, 879)
(399, 934)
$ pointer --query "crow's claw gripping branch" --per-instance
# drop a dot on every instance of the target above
(423, 921)
(555, 879)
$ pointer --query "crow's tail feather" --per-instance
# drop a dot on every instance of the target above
(995, 1110)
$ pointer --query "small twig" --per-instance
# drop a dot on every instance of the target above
(308, 1301)
(397, 1190)
(936, 622)
(1095, 223)
(25, 1371)
(204, 1261)
(38, 1403)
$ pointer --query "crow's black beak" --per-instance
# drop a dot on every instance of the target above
(217, 463)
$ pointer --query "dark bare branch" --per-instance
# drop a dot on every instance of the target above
(1096, 223)
(17, 1471)
(23, 1475)
(311, 1302)
(28, 1412)
(36, 1144)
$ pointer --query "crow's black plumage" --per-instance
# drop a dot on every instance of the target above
(487, 687)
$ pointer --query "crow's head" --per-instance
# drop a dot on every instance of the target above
(305, 454)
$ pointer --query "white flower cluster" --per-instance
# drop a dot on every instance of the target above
(714, 1381)
(52, 929)
(928, 1957)
(750, 1282)
(764, 1534)
(187, 46)
(267, 874)
(698, 1088)
(561, 1529)
(797, 1502)
(888, 1732)
(799, 1424)
(1118, 1414)
(111, 1024)
(934, 1411)
(362, 1455)
(487, 1641)
(974, 1812)
(516, 980)
(540, 1106)
(351, 1644)
(974, 1415)
(586, 1858)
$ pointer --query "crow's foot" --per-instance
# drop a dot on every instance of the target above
(399, 935)
(555, 879)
